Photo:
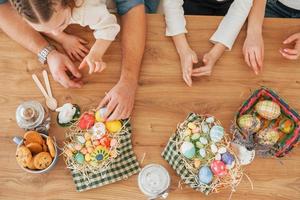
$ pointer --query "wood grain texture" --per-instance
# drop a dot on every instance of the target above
(162, 101)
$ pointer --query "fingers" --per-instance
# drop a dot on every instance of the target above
(195, 59)
(187, 79)
(291, 51)
(116, 115)
(112, 104)
(83, 64)
(91, 66)
(71, 67)
(253, 62)
(82, 41)
(104, 102)
(100, 66)
(291, 38)
(65, 81)
(84, 49)
(289, 56)
(77, 56)
(259, 59)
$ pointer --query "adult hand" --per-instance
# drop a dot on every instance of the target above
(253, 51)
(188, 58)
(59, 65)
(294, 53)
(119, 101)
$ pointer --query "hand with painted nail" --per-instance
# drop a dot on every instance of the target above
(187, 58)
(94, 59)
(253, 51)
(74, 46)
(292, 53)
(60, 65)
(209, 60)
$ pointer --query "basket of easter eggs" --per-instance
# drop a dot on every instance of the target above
(206, 161)
(92, 143)
(266, 123)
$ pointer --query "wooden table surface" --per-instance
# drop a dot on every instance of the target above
(162, 101)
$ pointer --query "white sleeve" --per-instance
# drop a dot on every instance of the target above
(98, 18)
(174, 16)
(232, 23)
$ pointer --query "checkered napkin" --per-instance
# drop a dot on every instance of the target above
(171, 155)
(124, 166)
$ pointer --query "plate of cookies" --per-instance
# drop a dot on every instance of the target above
(36, 152)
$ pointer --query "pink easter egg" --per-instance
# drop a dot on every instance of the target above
(90, 149)
(96, 142)
(218, 168)
(78, 147)
(83, 151)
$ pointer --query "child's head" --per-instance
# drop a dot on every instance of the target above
(49, 16)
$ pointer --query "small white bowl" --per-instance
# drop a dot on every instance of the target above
(19, 141)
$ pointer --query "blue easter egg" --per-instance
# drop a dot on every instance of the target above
(188, 149)
(205, 175)
(227, 158)
(216, 133)
(79, 158)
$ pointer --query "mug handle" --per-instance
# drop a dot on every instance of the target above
(18, 140)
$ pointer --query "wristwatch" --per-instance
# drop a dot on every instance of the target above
(42, 55)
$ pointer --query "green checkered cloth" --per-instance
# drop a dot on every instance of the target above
(124, 166)
(172, 156)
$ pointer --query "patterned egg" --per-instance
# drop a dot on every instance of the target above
(88, 143)
(196, 130)
(268, 136)
(98, 130)
(80, 139)
(191, 125)
(187, 132)
(268, 109)
(105, 141)
(87, 136)
(213, 148)
(86, 121)
(83, 151)
(205, 175)
(199, 145)
(222, 150)
(218, 168)
(205, 127)
(87, 157)
(79, 158)
(96, 142)
(202, 153)
(227, 158)
(100, 114)
(286, 125)
(195, 136)
(197, 163)
(188, 150)
(203, 140)
(90, 149)
(249, 123)
(113, 126)
(78, 147)
(216, 133)
(218, 156)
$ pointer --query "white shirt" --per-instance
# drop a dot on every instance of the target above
(94, 13)
(295, 4)
(228, 29)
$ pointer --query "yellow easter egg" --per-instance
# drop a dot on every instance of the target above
(191, 125)
(87, 136)
(99, 117)
(87, 157)
(88, 143)
(113, 126)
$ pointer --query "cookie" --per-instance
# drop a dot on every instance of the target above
(42, 160)
(34, 147)
(33, 136)
(23, 156)
(30, 164)
(44, 145)
(50, 146)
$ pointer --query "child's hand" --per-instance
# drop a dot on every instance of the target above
(74, 47)
(94, 59)
(209, 60)
(188, 58)
(253, 51)
(292, 54)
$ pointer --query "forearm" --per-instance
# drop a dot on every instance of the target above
(101, 46)
(17, 29)
(181, 43)
(217, 50)
(256, 17)
(133, 43)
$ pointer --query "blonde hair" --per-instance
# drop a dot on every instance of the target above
(37, 11)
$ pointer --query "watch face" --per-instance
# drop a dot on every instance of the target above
(42, 55)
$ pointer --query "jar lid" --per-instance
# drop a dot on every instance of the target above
(154, 180)
(30, 114)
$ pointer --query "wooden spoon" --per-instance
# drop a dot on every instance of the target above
(47, 83)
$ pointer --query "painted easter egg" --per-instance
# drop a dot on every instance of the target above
(79, 158)
(83, 151)
(100, 154)
(268, 136)
(205, 175)
(87, 157)
(205, 127)
(244, 156)
(202, 153)
(196, 130)
(188, 150)
(213, 148)
(218, 168)
(286, 125)
(99, 115)
(87, 136)
(78, 146)
(216, 133)
(187, 132)
(195, 136)
(191, 125)
(113, 126)
(203, 140)
(105, 141)
(86, 121)
(227, 158)
(199, 145)
(88, 143)
(197, 163)
(218, 156)
(249, 123)
(210, 119)
(222, 150)
(98, 130)
(268, 109)
(80, 139)
(90, 149)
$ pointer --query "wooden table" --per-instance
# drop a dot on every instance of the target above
(162, 101)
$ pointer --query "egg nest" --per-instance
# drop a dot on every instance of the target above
(218, 183)
(102, 155)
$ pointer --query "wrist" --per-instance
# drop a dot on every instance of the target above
(181, 44)
(254, 30)
(130, 81)
(217, 50)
